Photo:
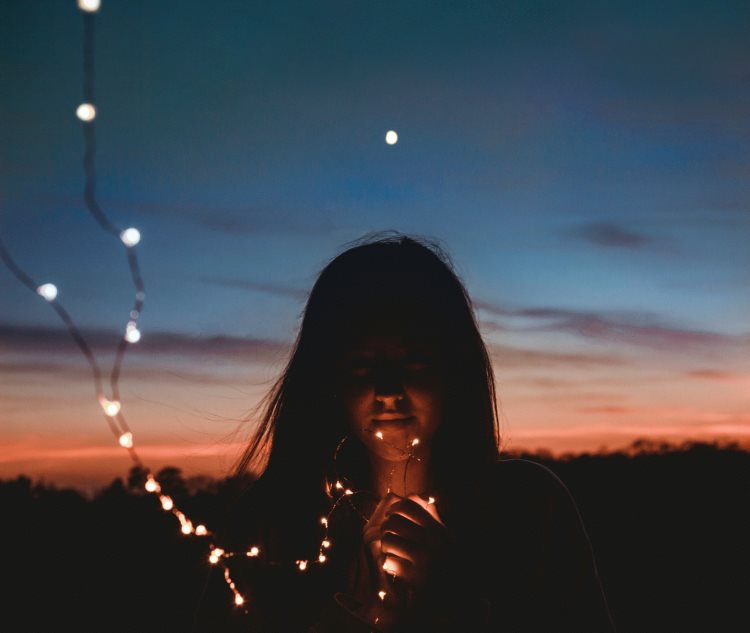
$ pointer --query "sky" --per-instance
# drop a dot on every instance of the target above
(585, 164)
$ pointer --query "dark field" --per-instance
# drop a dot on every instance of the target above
(669, 526)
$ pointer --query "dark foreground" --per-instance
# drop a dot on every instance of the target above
(670, 528)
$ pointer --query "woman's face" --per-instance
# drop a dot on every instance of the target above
(392, 393)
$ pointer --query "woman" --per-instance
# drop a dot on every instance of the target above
(387, 412)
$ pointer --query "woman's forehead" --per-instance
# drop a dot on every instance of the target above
(389, 344)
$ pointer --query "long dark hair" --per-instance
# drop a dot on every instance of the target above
(299, 428)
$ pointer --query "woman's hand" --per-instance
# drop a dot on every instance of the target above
(406, 541)
(414, 544)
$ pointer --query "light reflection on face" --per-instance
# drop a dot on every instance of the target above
(392, 385)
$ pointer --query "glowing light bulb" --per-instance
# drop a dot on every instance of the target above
(201, 530)
(431, 500)
(379, 435)
(238, 599)
(322, 558)
(381, 595)
(302, 564)
(326, 543)
(151, 485)
(391, 137)
(126, 440)
(47, 291)
(339, 486)
(90, 6)
(110, 407)
(130, 237)
(348, 492)
(254, 551)
(86, 112)
(166, 503)
(415, 441)
(187, 528)
(132, 333)
(324, 521)
(389, 566)
(216, 554)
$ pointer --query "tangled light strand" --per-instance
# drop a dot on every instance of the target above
(336, 492)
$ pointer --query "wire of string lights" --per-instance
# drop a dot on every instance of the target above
(337, 491)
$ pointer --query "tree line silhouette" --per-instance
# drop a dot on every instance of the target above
(669, 524)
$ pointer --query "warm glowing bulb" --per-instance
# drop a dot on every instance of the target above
(322, 558)
(187, 528)
(90, 6)
(130, 237)
(166, 503)
(431, 500)
(302, 564)
(47, 291)
(348, 492)
(126, 440)
(132, 333)
(379, 435)
(339, 486)
(326, 543)
(254, 551)
(382, 595)
(391, 137)
(86, 112)
(238, 599)
(151, 485)
(324, 521)
(415, 441)
(111, 407)
(216, 554)
(201, 530)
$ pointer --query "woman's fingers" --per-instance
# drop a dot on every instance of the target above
(415, 511)
(396, 545)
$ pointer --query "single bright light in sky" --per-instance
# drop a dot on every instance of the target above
(126, 440)
(130, 237)
(391, 137)
(86, 112)
(47, 291)
(89, 5)
(132, 333)
(111, 407)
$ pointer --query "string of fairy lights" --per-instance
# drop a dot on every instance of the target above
(337, 491)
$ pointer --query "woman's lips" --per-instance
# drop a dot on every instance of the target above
(393, 420)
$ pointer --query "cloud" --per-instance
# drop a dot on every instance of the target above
(718, 375)
(257, 286)
(631, 329)
(610, 235)
(19, 338)
(514, 357)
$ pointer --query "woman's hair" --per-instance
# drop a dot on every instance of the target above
(383, 281)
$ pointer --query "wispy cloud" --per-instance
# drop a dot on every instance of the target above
(18, 338)
(718, 375)
(633, 329)
(517, 357)
(256, 286)
(609, 235)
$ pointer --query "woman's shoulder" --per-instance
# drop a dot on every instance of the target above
(530, 485)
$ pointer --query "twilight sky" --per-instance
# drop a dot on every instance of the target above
(586, 164)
